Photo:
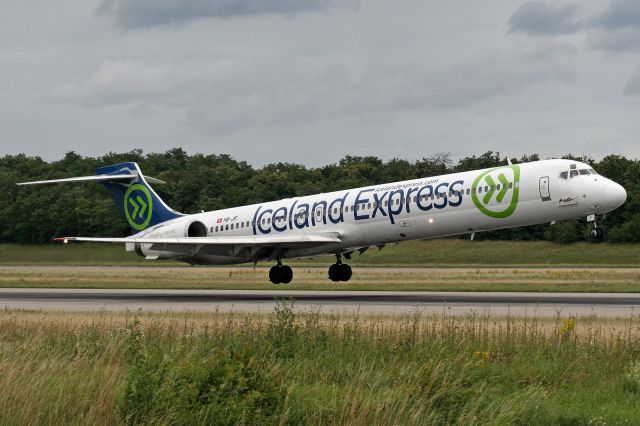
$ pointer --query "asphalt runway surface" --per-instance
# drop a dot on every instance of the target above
(345, 302)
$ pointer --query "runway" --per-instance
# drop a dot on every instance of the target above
(349, 302)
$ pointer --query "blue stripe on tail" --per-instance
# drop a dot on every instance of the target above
(137, 201)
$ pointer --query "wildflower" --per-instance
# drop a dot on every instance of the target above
(567, 327)
(482, 356)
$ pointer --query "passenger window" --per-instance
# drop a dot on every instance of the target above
(510, 185)
(227, 227)
(369, 205)
(216, 229)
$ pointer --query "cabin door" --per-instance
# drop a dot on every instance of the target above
(544, 188)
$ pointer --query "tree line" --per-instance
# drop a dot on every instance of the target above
(35, 215)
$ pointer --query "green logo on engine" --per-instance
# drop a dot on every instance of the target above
(138, 206)
(495, 192)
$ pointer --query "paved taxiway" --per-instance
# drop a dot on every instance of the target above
(363, 302)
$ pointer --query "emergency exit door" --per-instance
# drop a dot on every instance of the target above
(544, 188)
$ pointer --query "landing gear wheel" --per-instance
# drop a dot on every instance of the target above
(280, 274)
(286, 274)
(345, 272)
(274, 275)
(334, 272)
(596, 233)
(339, 272)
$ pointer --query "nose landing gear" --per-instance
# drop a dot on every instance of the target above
(595, 233)
(339, 271)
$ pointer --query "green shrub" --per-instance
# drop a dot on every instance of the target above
(201, 384)
(567, 232)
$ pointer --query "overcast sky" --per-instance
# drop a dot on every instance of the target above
(311, 81)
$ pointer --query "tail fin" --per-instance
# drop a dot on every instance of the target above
(137, 201)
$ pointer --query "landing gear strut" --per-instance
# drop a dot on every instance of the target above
(339, 271)
(280, 274)
(595, 232)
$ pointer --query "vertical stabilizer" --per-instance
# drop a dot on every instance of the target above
(136, 200)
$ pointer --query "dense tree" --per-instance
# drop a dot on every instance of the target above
(208, 182)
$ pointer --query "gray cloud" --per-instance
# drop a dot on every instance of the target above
(403, 78)
(222, 94)
(617, 28)
(622, 40)
(633, 85)
(131, 14)
(539, 18)
(619, 14)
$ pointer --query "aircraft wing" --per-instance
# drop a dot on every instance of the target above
(241, 246)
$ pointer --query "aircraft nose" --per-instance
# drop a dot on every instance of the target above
(616, 195)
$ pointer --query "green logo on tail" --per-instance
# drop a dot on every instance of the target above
(138, 206)
(498, 202)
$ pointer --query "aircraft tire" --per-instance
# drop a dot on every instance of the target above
(344, 272)
(286, 274)
(334, 272)
(596, 233)
(275, 274)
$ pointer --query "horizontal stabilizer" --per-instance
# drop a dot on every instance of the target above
(92, 179)
(219, 241)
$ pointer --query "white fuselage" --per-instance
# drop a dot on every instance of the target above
(458, 203)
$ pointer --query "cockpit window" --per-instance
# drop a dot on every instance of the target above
(573, 172)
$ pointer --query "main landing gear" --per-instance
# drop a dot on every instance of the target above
(280, 274)
(339, 271)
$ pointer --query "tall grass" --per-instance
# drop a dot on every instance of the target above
(294, 368)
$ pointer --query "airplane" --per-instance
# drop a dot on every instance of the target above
(343, 222)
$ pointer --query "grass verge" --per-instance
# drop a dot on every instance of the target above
(314, 278)
(446, 252)
(288, 368)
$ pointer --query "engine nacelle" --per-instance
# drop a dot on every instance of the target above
(196, 229)
(193, 228)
